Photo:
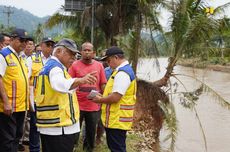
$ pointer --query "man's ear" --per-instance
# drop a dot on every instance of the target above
(58, 52)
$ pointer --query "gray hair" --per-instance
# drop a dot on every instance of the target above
(56, 48)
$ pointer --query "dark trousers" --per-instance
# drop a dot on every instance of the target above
(100, 130)
(116, 139)
(58, 143)
(91, 120)
(34, 137)
(11, 130)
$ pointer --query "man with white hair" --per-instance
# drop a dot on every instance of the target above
(56, 102)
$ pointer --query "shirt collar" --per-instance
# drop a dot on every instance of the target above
(9, 47)
(122, 64)
(55, 58)
(44, 59)
(23, 55)
(43, 56)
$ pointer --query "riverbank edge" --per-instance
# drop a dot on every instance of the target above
(204, 65)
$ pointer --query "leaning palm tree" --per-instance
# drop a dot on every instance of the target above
(190, 27)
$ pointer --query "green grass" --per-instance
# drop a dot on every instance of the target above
(131, 142)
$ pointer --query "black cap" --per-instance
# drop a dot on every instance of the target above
(114, 50)
(21, 33)
(69, 44)
(47, 39)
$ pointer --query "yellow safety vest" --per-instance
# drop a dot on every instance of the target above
(15, 81)
(54, 109)
(120, 115)
(36, 68)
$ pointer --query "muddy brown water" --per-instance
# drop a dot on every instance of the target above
(214, 118)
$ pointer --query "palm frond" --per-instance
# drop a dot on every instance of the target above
(170, 124)
(205, 88)
(202, 129)
(189, 101)
(220, 9)
(67, 20)
(54, 20)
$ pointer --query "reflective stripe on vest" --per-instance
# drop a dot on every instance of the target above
(45, 108)
(48, 121)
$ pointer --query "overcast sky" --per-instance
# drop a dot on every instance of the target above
(43, 8)
(39, 8)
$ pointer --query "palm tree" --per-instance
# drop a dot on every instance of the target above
(39, 33)
(190, 26)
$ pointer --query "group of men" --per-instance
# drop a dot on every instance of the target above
(54, 87)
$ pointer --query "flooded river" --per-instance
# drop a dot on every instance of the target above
(214, 118)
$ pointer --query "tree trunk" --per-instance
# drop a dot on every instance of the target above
(137, 37)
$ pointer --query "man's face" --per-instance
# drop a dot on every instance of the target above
(67, 57)
(19, 44)
(111, 61)
(29, 48)
(87, 52)
(38, 48)
(6, 40)
(47, 48)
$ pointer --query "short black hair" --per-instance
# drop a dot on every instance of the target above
(36, 46)
(30, 39)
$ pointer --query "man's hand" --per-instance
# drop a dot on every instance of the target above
(89, 78)
(110, 99)
(7, 108)
(97, 98)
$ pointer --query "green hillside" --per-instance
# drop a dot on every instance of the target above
(24, 19)
(21, 18)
